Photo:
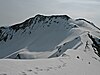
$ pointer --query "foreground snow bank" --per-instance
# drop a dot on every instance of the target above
(73, 63)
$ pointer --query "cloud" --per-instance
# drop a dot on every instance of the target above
(13, 11)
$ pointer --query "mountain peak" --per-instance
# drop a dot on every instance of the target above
(53, 16)
(42, 33)
(37, 18)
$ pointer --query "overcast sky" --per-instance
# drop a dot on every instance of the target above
(15, 11)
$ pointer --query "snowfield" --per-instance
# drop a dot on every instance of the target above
(73, 63)
(50, 45)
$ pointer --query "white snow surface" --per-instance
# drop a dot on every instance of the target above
(56, 47)
(66, 65)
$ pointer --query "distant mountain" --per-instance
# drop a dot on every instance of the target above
(48, 36)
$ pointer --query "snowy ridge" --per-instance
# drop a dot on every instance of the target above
(44, 34)
(52, 45)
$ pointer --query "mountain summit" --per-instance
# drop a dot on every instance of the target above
(48, 36)
(62, 45)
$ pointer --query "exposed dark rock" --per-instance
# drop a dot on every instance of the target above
(95, 45)
(78, 57)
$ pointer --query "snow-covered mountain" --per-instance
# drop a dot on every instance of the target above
(45, 35)
(66, 46)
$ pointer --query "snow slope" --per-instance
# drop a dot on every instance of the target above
(70, 64)
(44, 34)
(50, 45)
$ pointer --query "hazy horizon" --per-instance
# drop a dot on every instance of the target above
(15, 11)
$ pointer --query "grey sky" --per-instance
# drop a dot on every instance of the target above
(14, 11)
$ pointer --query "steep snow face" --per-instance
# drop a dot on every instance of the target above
(36, 34)
(47, 36)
